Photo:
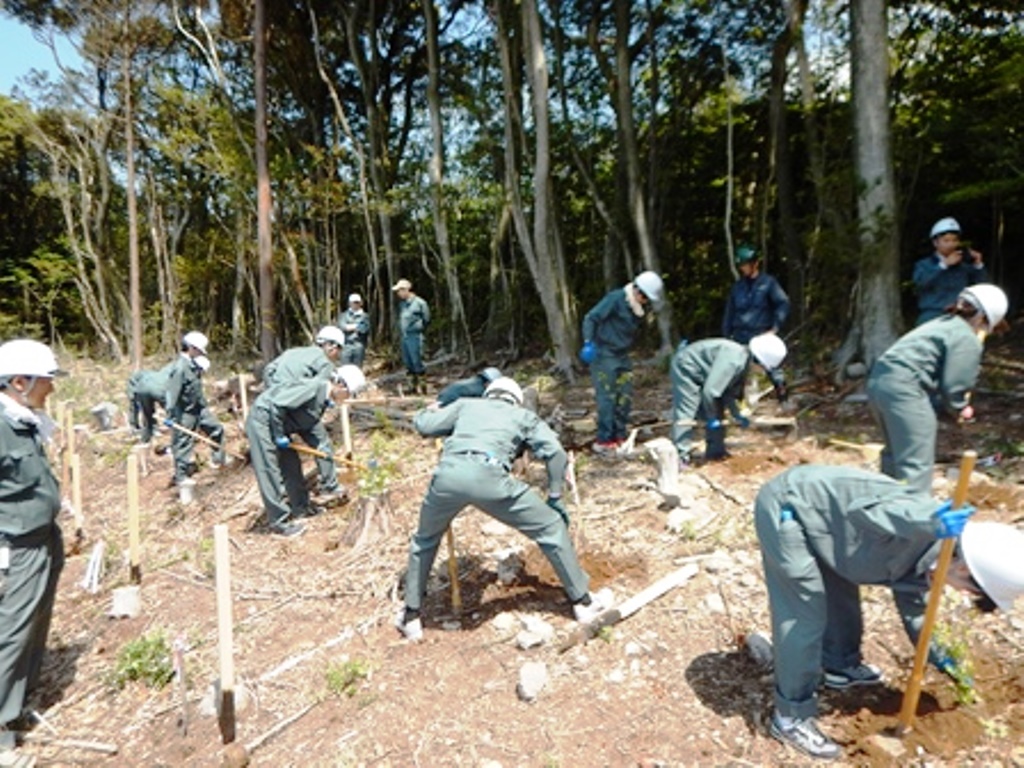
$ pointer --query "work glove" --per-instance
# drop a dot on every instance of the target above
(950, 522)
(714, 424)
(169, 422)
(742, 421)
(555, 502)
(588, 352)
(967, 413)
(943, 660)
(283, 441)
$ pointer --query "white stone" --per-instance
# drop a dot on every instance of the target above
(633, 648)
(451, 626)
(493, 528)
(525, 640)
(718, 562)
(616, 676)
(127, 602)
(533, 676)
(537, 626)
(679, 519)
(504, 622)
(714, 603)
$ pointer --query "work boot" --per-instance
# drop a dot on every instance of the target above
(592, 605)
(287, 529)
(408, 623)
(861, 674)
(803, 734)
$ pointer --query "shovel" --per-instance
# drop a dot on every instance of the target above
(301, 448)
(203, 438)
(913, 692)
(869, 451)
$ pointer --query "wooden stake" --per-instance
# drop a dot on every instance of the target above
(346, 431)
(913, 692)
(243, 395)
(453, 571)
(68, 426)
(225, 634)
(134, 568)
(76, 495)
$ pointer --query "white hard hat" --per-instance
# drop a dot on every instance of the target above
(995, 554)
(942, 226)
(490, 374)
(355, 298)
(506, 389)
(353, 378)
(197, 340)
(990, 299)
(25, 357)
(331, 333)
(651, 286)
(202, 362)
(768, 349)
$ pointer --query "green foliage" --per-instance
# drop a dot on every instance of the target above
(382, 467)
(953, 639)
(345, 678)
(146, 659)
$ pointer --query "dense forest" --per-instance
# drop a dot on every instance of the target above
(241, 167)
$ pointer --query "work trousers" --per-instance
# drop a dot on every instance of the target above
(909, 425)
(816, 615)
(612, 376)
(353, 353)
(412, 353)
(26, 605)
(687, 409)
(182, 445)
(461, 480)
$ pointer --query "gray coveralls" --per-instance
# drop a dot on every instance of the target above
(938, 359)
(848, 527)
(298, 384)
(612, 325)
(484, 435)
(707, 377)
(413, 319)
(355, 323)
(29, 504)
(186, 405)
(146, 390)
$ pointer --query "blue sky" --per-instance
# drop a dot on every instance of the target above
(20, 52)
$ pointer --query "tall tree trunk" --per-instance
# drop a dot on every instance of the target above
(268, 306)
(877, 319)
(638, 206)
(134, 293)
(436, 172)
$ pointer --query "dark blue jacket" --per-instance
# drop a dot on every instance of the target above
(938, 286)
(611, 324)
(755, 305)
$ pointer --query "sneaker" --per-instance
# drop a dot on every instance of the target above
(862, 674)
(805, 736)
(288, 530)
(411, 629)
(311, 511)
(599, 603)
(606, 447)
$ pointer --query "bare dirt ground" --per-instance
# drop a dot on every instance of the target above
(329, 682)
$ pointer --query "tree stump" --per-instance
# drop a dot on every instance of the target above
(663, 452)
(370, 522)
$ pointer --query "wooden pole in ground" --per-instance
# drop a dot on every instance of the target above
(453, 571)
(76, 496)
(346, 431)
(225, 635)
(134, 567)
(913, 692)
(68, 426)
(243, 396)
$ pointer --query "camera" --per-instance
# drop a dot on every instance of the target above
(965, 251)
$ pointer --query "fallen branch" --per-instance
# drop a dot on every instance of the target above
(627, 608)
(259, 741)
(31, 737)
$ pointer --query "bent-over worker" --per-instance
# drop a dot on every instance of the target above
(825, 530)
(473, 386)
(187, 407)
(483, 437)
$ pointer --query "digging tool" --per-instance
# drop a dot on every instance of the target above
(913, 692)
(628, 607)
(209, 441)
(869, 451)
(302, 448)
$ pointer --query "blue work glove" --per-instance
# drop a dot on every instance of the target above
(588, 352)
(169, 422)
(555, 502)
(942, 660)
(714, 424)
(742, 421)
(283, 441)
(950, 522)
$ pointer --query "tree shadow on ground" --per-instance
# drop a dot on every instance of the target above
(732, 685)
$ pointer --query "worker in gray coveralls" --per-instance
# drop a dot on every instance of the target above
(31, 548)
(483, 437)
(825, 530)
(146, 390)
(609, 329)
(299, 389)
(707, 378)
(187, 407)
(413, 319)
(474, 386)
(940, 361)
(355, 322)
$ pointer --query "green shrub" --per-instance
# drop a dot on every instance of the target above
(146, 659)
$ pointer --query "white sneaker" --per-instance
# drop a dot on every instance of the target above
(600, 602)
(411, 630)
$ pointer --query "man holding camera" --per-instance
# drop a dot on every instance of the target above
(941, 277)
